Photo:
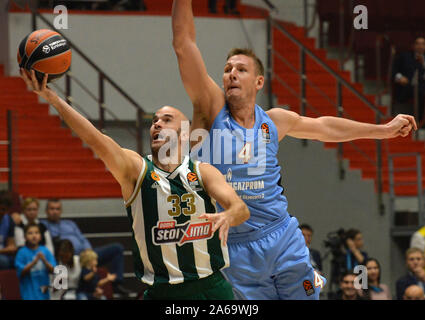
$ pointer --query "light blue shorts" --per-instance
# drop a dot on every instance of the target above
(273, 264)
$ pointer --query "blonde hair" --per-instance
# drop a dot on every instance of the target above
(86, 257)
(28, 201)
(249, 53)
(414, 250)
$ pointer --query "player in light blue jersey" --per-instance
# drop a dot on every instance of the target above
(268, 255)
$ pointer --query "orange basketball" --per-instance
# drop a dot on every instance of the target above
(45, 51)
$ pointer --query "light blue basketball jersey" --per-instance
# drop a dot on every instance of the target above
(248, 159)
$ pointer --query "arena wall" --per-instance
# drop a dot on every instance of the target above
(136, 52)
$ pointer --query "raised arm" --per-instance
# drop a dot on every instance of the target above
(334, 129)
(206, 96)
(125, 165)
(236, 211)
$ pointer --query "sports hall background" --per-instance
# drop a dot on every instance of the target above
(135, 50)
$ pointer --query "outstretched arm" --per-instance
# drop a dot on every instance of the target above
(217, 188)
(206, 96)
(124, 164)
(334, 129)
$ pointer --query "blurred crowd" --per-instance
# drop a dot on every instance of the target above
(33, 247)
(348, 253)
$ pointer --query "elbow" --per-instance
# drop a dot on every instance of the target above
(245, 212)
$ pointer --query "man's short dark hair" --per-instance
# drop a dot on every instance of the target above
(352, 233)
(52, 200)
(307, 227)
(346, 273)
(30, 225)
(249, 53)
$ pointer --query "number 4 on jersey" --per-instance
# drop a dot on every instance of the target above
(245, 153)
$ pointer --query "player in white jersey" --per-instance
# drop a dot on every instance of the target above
(170, 205)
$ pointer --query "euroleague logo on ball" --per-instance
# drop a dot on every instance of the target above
(46, 49)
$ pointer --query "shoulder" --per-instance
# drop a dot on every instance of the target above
(22, 252)
(384, 287)
(137, 162)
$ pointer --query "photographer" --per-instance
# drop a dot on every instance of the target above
(354, 242)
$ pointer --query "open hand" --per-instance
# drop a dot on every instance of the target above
(401, 126)
(220, 221)
(39, 88)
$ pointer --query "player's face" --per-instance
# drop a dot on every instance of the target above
(372, 271)
(240, 78)
(415, 260)
(54, 211)
(31, 211)
(33, 236)
(161, 121)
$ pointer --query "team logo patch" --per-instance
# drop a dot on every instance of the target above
(193, 180)
(266, 132)
(229, 175)
(168, 232)
(192, 177)
(154, 176)
(308, 287)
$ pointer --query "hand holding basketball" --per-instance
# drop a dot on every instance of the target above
(401, 125)
(39, 88)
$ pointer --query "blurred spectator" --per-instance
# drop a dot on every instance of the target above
(375, 289)
(30, 207)
(65, 256)
(406, 66)
(110, 254)
(418, 239)
(90, 284)
(230, 6)
(354, 242)
(315, 258)
(33, 264)
(347, 290)
(414, 292)
(415, 263)
(7, 231)
(14, 209)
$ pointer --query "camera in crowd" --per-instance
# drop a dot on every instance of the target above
(336, 241)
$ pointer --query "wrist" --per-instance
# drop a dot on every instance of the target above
(384, 131)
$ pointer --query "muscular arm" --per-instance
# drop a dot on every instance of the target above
(236, 211)
(334, 129)
(206, 96)
(123, 164)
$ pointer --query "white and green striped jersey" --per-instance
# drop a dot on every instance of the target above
(170, 243)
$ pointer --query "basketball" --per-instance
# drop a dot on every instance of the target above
(45, 51)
